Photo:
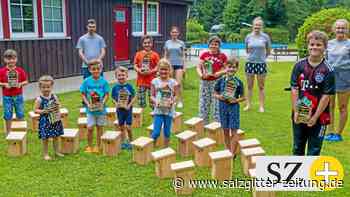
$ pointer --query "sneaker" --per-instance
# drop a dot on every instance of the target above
(124, 146)
(336, 138)
(329, 136)
(89, 149)
(128, 146)
(180, 105)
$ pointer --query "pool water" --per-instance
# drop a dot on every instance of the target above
(226, 45)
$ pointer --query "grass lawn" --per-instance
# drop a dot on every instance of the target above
(95, 175)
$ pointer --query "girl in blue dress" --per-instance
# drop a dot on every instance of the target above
(50, 124)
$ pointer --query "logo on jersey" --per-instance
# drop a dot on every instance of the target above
(319, 77)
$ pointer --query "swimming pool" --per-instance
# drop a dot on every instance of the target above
(226, 45)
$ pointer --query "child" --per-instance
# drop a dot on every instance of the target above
(209, 70)
(123, 95)
(12, 79)
(50, 124)
(229, 91)
(163, 94)
(145, 64)
(312, 83)
(95, 92)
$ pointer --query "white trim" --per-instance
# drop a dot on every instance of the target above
(1, 26)
(157, 22)
(25, 34)
(37, 38)
(55, 34)
(136, 33)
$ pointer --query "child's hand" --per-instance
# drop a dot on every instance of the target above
(7, 85)
(219, 97)
(295, 118)
(312, 121)
(232, 100)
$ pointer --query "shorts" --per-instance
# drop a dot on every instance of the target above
(178, 67)
(161, 122)
(342, 80)
(10, 102)
(229, 115)
(124, 117)
(96, 120)
(255, 68)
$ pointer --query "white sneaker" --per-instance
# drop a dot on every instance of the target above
(180, 105)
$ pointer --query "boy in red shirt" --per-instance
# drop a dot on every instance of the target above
(145, 65)
(12, 79)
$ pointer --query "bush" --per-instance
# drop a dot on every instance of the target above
(195, 32)
(234, 37)
(323, 21)
(277, 35)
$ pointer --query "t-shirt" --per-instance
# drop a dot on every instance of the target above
(22, 76)
(145, 80)
(313, 82)
(99, 86)
(91, 46)
(158, 85)
(257, 45)
(175, 51)
(128, 87)
(338, 54)
(217, 60)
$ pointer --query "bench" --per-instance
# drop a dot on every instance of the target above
(284, 52)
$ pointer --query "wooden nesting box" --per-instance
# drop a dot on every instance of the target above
(69, 141)
(142, 148)
(64, 116)
(248, 143)
(197, 125)
(185, 145)
(34, 118)
(82, 112)
(215, 132)
(252, 174)
(202, 148)
(183, 171)
(82, 125)
(17, 143)
(160, 139)
(253, 160)
(177, 122)
(163, 158)
(246, 155)
(111, 115)
(221, 162)
(111, 141)
(18, 125)
(137, 117)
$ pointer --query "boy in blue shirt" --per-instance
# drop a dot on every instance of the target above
(123, 95)
(95, 92)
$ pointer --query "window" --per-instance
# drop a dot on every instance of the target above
(22, 17)
(152, 17)
(53, 20)
(137, 18)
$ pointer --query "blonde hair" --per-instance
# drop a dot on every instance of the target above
(10, 53)
(256, 19)
(232, 61)
(46, 78)
(121, 69)
(318, 35)
(342, 20)
(164, 63)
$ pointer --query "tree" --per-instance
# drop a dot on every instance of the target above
(232, 14)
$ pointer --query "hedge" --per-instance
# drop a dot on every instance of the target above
(277, 35)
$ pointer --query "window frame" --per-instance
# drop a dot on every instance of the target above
(156, 22)
(138, 33)
(64, 21)
(1, 24)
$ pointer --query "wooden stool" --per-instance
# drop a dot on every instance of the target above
(111, 115)
(253, 160)
(184, 171)
(248, 143)
(64, 116)
(202, 148)
(82, 124)
(197, 125)
(19, 125)
(185, 146)
(221, 162)
(163, 159)
(142, 148)
(111, 141)
(69, 141)
(177, 122)
(246, 155)
(82, 112)
(137, 117)
(34, 117)
(252, 174)
(17, 143)
(215, 132)
(160, 139)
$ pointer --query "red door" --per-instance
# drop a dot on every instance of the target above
(121, 33)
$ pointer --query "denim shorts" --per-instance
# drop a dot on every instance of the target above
(98, 120)
(10, 102)
(178, 67)
(124, 117)
(342, 80)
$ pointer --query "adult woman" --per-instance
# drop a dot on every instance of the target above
(174, 52)
(338, 54)
(258, 47)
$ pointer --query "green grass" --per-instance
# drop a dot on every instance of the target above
(95, 175)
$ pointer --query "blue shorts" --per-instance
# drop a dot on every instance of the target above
(229, 115)
(342, 80)
(10, 102)
(178, 67)
(124, 117)
(159, 122)
(86, 73)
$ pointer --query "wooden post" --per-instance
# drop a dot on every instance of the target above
(64, 116)
(142, 148)
(111, 141)
(177, 122)
(215, 132)
(69, 141)
(248, 143)
(163, 158)
(185, 146)
(253, 160)
(111, 115)
(82, 124)
(137, 117)
(82, 112)
(34, 117)
(184, 171)
(221, 162)
(17, 143)
(202, 148)
(197, 125)
(252, 174)
(246, 155)
(160, 139)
